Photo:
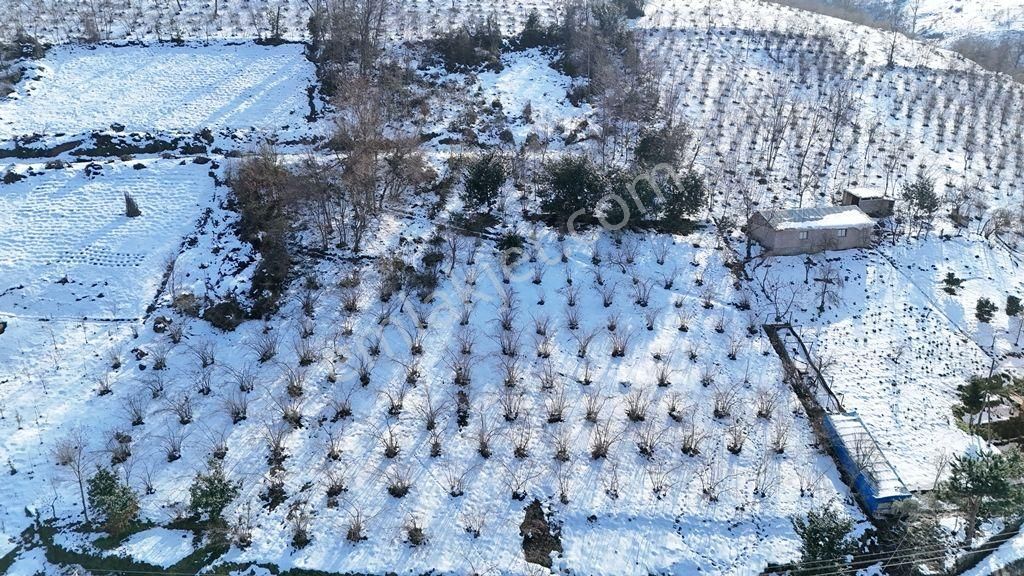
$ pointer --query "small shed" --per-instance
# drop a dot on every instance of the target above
(872, 201)
(811, 230)
(873, 478)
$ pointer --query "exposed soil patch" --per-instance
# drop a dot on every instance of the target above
(540, 537)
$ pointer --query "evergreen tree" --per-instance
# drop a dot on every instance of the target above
(535, 34)
(825, 542)
(975, 395)
(985, 310)
(212, 492)
(951, 283)
(985, 486)
(921, 199)
(1013, 310)
(663, 201)
(632, 8)
(684, 197)
(1013, 306)
(662, 146)
(116, 502)
(571, 184)
(484, 178)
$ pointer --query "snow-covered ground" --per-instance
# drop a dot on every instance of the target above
(950, 20)
(896, 349)
(164, 88)
(526, 78)
(1010, 553)
(67, 250)
(157, 546)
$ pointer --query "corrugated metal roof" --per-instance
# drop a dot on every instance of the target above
(854, 436)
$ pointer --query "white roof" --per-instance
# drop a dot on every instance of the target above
(868, 193)
(852, 433)
(827, 218)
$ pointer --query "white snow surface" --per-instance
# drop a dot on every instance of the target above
(164, 88)
(528, 78)
(1011, 552)
(157, 546)
(838, 218)
(67, 250)
(899, 346)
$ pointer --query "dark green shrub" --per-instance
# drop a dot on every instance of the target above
(484, 178)
(569, 185)
(226, 315)
(116, 503)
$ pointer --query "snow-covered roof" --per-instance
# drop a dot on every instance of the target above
(830, 217)
(856, 438)
(869, 193)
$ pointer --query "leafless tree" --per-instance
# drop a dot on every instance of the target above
(780, 434)
(736, 436)
(693, 433)
(181, 406)
(518, 478)
(71, 452)
(713, 479)
(725, 400)
(648, 438)
(136, 408)
(521, 436)
(484, 434)
(556, 404)
(602, 437)
(205, 352)
(388, 441)
(399, 481)
(511, 403)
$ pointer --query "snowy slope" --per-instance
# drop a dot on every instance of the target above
(161, 89)
(968, 18)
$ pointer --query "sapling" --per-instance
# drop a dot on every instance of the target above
(572, 318)
(521, 441)
(548, 376)
(388, 441)
(484, 434)
(205, 353)
(511, 403)
(620, 343)
(607, 292)
(648, 438)
(556, 404)
(237, 407)
(356, 526)
(265, 346)
(736, 436)
(399, 481)
(725, 400)
(396, 399)
(602, 438)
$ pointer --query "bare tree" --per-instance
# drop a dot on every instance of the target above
(70, 452)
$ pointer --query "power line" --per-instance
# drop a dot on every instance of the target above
(908, 553)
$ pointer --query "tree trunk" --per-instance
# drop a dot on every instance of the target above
(971, 530)
(81, 493)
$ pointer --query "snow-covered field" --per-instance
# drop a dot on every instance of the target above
(897, 350)
(164, 88)
(67, 250)
(950, 21)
